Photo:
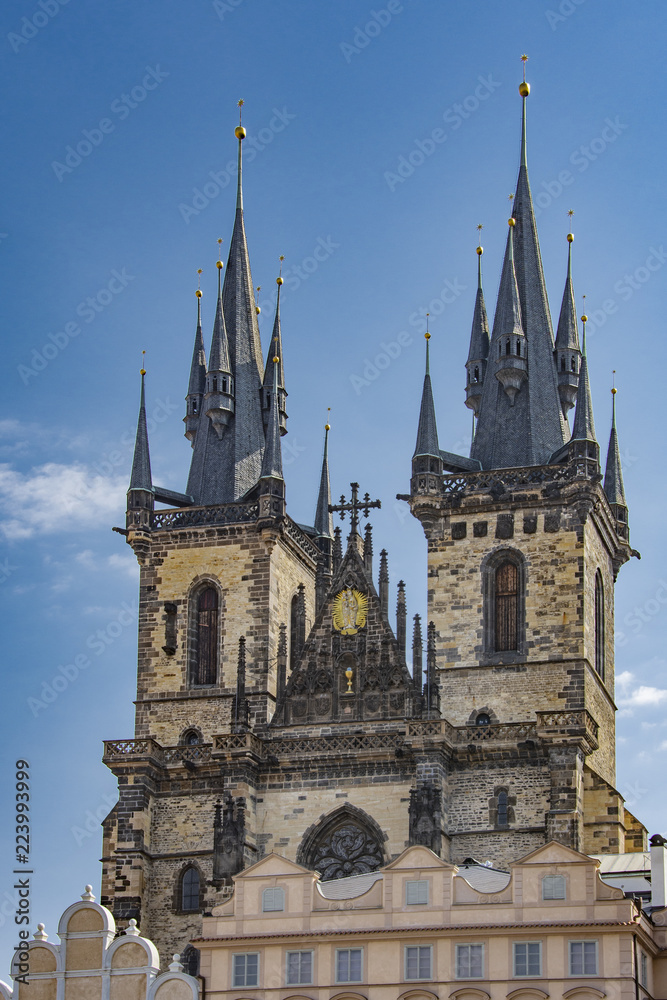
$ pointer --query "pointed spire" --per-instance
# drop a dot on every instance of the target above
(383, 582)
(566, 350)
(368, 549)
(417, 655)
(281, 662)
(427, 432)
(140, 478)
(613, 476)
(323, 518)
(240, 703)
(197, 382)
(337, 550)
(401, 633)
(479, 342)
(219, 357)
(432, 692)
(584, 427)
(272, 463)
(275, 350)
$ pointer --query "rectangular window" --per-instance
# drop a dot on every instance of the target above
(299, 968)
(418, 962)
(553, 887)
(348, 965)
(528, 958)
(245, 969)
(583, 958)
(643, 969)
(416, 892)
(469, 961)
(273, 900)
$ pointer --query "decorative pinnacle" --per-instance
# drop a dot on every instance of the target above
(257, 309)
(511, 221)
(570, 236)
(198, 292)
(279, 279)
(143, 358)
(327, 426)
(614, 390)
(427, 335)
(480, 248)
(219, 261)
(239, 131)
(524, 88)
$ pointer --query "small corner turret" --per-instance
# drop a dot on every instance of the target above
(613, 478)
(140, 494)
(427, 463)
(275, 350)
(479, 343)
(567, 355)
(219, 396)
(197, 383)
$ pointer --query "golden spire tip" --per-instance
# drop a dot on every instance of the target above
(199, 273)
(327, 426)
(524, 88)
(239, 131)
(143, 358)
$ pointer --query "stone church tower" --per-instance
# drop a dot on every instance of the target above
(275, 709)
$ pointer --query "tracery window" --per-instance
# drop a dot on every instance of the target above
(204, 659)
(599, 624)
(344, 845)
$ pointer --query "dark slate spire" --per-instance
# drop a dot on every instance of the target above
(427, 431)
(197, 383)
(567, 356)
(613, 476)
(245, 350)
(479, 344)
(323, 518)
(584, 426)
(531, 430)
(275, 350)
(140, 478)
(219, 398)
(272, 463)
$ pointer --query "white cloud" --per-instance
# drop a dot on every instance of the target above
(55, 497)
(125, 563)
(643, 696)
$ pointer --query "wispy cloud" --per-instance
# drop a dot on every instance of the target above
(640, 695)
(55, 498)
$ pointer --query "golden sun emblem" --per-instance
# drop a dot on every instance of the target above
(349, 611)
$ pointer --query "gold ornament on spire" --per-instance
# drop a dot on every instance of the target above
(480, 248)
(257, 309)
(199, 273)
(219, 261)
(524, 88)
(427, 335)
(327, 426)
(239, 131)
(143, 359)
(570, 235)
(279, 279)
(584, 317)
(614, 390)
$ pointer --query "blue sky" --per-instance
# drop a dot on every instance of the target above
(376, 217)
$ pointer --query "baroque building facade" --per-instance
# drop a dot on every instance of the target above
(276, 711)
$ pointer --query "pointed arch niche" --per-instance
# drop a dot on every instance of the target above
(346, 842)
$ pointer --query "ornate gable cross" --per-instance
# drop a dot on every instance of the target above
(354, 507)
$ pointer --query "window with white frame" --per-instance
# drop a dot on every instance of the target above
(469, 961)
(643, 969)
(583, 958)
(349, 965)
(553, 887)
(273, 900)
(299, 970)
(419, 961)
(416, 892)
(245, 969)
(527, 958)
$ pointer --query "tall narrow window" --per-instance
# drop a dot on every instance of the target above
(507, 594)
(206, 638)
(190, 889)
(599, 624)
(294, 632)
(503, 814)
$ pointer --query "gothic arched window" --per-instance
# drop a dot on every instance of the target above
(204, 655)
(504, 586)
(599, 624)
(190, 889)
(507, 599)
(502, 808)
(190, 961)
(347, 843)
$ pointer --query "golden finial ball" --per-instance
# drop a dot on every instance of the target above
(279, 281)
(276, 360)
(257, 310)
(198, 293)
(480, 251)
(143, 371)
(524, 88)
(218, 264)
(427, 335)
(584, 318)
(614, 391)
(239, 132)
(570, 237)
(511, 222)
(327, 427)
